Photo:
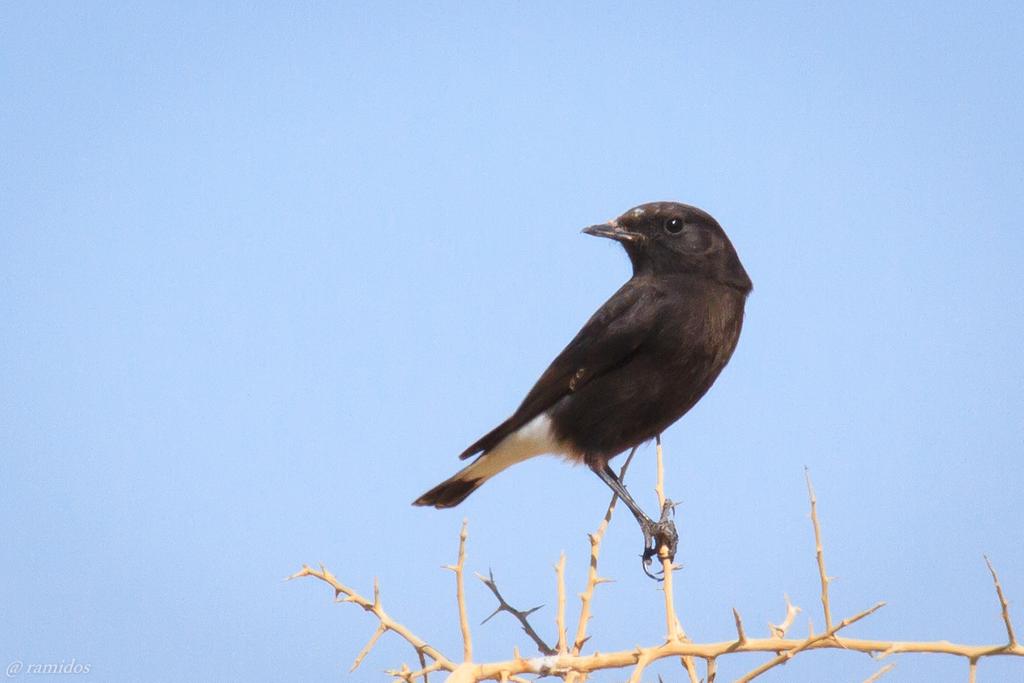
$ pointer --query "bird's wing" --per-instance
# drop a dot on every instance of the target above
(605, 342)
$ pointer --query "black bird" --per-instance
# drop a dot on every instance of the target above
(639, 364)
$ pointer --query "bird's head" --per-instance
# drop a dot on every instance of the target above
(665, 238)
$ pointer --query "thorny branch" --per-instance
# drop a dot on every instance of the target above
(460, 594)
(819, 551)
(675, 629)
(343, 593)
(593, 578)
(521, 615)
(560, 614)
(786, 655)
(570, 663)
(1003, 604)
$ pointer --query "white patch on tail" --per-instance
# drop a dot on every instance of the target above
(534, 438)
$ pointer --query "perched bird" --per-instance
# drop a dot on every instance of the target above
(638, 365)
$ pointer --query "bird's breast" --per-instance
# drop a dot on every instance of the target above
(704, 327)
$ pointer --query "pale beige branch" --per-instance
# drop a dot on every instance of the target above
(349, 595)
(423, 672)
(671, 620)
(560, 612)
(1011, 636)
(878, 674)
(819, 551)
(674, 626)
(593, 578)
(405, 673)
(668, 569)
(423, 667)
(659, 487)
(464, 673)
(628, 658)
(712, 669)
(642, 660)
(779, 630)
(784, 657)
(741, 636)
(381, 630)
(460, 594)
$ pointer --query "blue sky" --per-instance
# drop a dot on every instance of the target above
(266, 271)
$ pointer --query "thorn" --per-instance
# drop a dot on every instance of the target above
(299, 574)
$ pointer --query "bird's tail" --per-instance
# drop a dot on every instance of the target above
(457, 488)
(524, 443)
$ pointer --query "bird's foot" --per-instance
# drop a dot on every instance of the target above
(660, 539)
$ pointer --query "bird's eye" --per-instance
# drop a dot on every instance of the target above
(674, 226)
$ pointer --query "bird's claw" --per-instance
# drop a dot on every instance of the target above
(660, 539)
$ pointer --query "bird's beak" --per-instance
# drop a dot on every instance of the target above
(612, 230)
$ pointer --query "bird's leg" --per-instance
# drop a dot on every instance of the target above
(608, 476)
(656, 534)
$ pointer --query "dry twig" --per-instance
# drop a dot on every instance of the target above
(593, 578)
(785, 656)
(521, 615)
(741, 636)
(460, 593)
(712, 670)
(343, 593)
(560, 613)
(1011, 636)
(675, 629)
(878, 674)
(819, 551)
(779, 630)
